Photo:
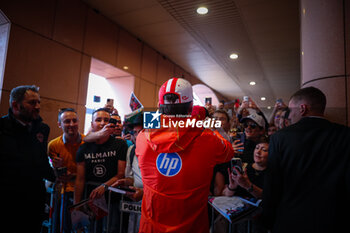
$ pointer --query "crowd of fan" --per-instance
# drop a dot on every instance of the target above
(105, 157)
(247, 128)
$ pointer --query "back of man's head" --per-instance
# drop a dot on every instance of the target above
(313, 97)
(175, 97)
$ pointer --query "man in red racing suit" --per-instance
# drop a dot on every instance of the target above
(177, 165)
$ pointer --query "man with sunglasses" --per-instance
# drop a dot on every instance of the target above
(118, 128)
(254, 129)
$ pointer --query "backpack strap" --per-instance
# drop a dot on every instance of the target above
(132, 154)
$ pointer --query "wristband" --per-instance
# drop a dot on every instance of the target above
(234, 189)
(105, 187)
(251, 188)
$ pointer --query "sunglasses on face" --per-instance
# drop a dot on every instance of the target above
(233, 130)
(251, 124)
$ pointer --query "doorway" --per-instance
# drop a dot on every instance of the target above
(107, 82)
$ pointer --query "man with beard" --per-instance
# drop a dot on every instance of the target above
(24, 162)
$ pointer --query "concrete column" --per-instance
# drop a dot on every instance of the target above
(325, 53)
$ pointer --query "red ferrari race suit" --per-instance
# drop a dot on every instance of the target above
(177, 168)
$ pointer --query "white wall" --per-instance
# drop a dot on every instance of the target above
(122, 87)
(119, 89)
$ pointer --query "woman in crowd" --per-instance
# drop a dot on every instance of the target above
(249, 183)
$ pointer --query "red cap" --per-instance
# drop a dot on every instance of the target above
(178, 86)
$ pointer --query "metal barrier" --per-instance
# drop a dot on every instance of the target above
(49, 222)
(231, 225)
(236, 214)
(54, 223)
(124, 207)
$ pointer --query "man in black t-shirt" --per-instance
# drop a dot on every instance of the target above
(101, 162)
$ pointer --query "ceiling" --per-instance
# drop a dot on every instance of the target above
(264, 33)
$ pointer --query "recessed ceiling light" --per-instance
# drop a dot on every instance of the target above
(233, 56)
(268, 107)
(263, 98)
(252, 83)
(202, 10)
(125, 67)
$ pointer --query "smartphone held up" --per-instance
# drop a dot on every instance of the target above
(241, 137)
(236, 164)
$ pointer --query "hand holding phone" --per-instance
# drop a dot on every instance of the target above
(106, 130)
(208, 100)
(57, 161)
(240, 136)
(280, 105)
(245, 102)
(236, 165)
(238, 147)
